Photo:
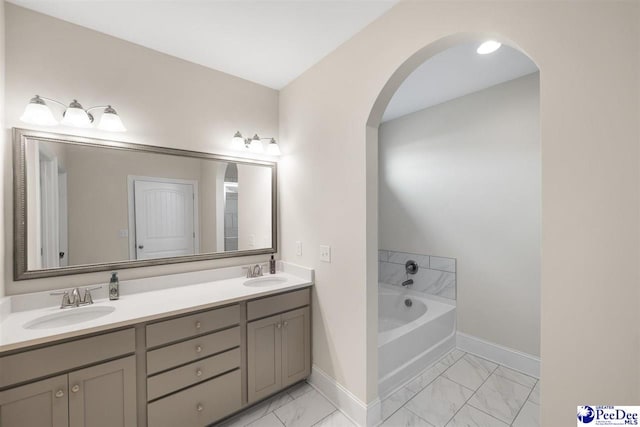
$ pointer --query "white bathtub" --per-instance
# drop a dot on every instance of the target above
(410, 338)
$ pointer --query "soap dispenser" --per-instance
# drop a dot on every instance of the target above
(114, 287)
(272, 265)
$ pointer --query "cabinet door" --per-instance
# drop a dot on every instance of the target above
(104, 395)
(264, 357)
(42, 404)
(296, 346)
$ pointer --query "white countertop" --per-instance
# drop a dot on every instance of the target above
(140, 301)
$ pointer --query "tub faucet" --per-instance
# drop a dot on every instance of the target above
(407, 282)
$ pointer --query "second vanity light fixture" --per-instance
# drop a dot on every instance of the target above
(37, 112)
(254, 144)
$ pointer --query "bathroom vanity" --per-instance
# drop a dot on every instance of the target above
(187, 355)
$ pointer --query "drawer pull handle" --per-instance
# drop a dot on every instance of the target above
(198, 349)
(200, 408)
(75, 388)
(198, 325)
(59, 393)
(199, 373)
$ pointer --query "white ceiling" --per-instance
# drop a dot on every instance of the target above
(456, 72)
(270, 42)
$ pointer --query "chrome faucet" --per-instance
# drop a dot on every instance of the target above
(410, 267)
(254, 271)
(75, 300)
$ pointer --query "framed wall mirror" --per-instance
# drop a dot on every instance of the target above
(84, 205)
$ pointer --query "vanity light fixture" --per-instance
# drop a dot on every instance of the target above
(254, 145)
(37, 112)
(489, 46)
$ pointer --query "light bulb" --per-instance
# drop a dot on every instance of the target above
(237, 142)
(489, 46)
(272, 148)
(110, 121)
(256, 145)
(76, 116)
(38, 113)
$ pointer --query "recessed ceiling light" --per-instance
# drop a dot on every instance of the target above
(488, 47)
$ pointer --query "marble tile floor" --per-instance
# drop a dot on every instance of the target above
(459, 390)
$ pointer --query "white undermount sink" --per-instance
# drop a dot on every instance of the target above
(68, 317)
(265, 281)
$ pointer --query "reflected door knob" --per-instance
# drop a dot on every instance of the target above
(59, 393)
(75, 388)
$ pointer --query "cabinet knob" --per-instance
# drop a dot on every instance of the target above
(75, 388)
(199, 407)
(286, 323)
(59, 393)
(199, 373)
(279, 325)
(198, 325)
(198, 349)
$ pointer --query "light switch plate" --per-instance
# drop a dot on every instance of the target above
(298, 248)
(325, 253)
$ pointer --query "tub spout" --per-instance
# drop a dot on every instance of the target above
(407, 282)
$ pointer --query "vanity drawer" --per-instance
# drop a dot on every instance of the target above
(268, 306)
(195, 324)
(175, 379)
(44, 361)
(188, 351)
(200, 405)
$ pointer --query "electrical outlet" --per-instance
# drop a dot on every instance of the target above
(325, 253)
(123, 233)
(298, 248)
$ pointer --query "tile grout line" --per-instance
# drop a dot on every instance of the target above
(431, 382)
(428, 384)
(525, 402)
(473, 394)
(492, 416)
(276, 415)
(324, 418)
(408, 409)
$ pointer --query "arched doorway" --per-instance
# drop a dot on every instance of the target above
(373, 227)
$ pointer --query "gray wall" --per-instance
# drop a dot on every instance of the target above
(162, 100)
(588, 56)
(4, 149)
(462, 180)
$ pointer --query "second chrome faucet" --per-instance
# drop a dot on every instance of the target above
(74, 299)
(254, 271)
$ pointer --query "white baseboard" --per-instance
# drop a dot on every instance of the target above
(357, 411)
(514, 359)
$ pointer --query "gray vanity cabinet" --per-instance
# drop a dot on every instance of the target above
(193, 369)
(104, 395)
(264, 357)
(100, 396)
(296, 346)
(278, 346)
(42, 403)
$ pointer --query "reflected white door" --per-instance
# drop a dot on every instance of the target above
(164, 219)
